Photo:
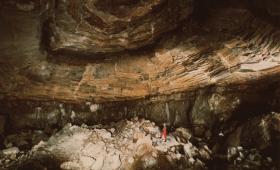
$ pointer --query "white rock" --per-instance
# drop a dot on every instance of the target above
(241, 155)
(39, 145)
(258, 66)
(72, 115)
(207, 149)
(95, 150)
(172, 149)
(94, 107)
(112, 162)
(130, 160)
(239, 148)
(112, 130)
(154, 154)
(148, 162)
(158, 135)
(152, 130)
(145, 140)
(204, 154)
(183, 133)
(221, 134)
(190, 150)
(104, 133)
(98, 163)
(178, 156)
(86, 162)
(231, 152)
(162, 148)
(191, 160)
(269, 159)
(10, 151)
(70, 166)
(7, 161)
(13, 157)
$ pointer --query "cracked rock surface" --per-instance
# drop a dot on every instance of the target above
(135, 144)
(209, 69)
(100, 26)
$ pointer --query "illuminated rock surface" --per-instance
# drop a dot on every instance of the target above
(209, 66)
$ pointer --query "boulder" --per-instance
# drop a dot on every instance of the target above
(183, 134)
(260, 132)
(69, 166)
(11, 151)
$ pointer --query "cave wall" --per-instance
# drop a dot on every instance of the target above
(196, 71)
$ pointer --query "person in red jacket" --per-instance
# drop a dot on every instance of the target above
(164, 132)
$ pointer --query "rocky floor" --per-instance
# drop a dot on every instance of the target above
(128, 144)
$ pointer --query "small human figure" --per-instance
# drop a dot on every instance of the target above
(164, 132)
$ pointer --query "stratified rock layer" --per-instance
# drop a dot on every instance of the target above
(215, 52)
(197, 76)
(219, 69)
(100, 26)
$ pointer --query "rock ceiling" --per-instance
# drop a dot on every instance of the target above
(230, 47)
(100, 26)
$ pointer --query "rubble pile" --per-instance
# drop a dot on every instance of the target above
(134, 144)
(240, 158)
(129, 145)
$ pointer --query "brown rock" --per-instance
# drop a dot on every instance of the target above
(259, 132)
(176, 81)
(183, 134)
(137, 136)
(100, 26)
(2, 124)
